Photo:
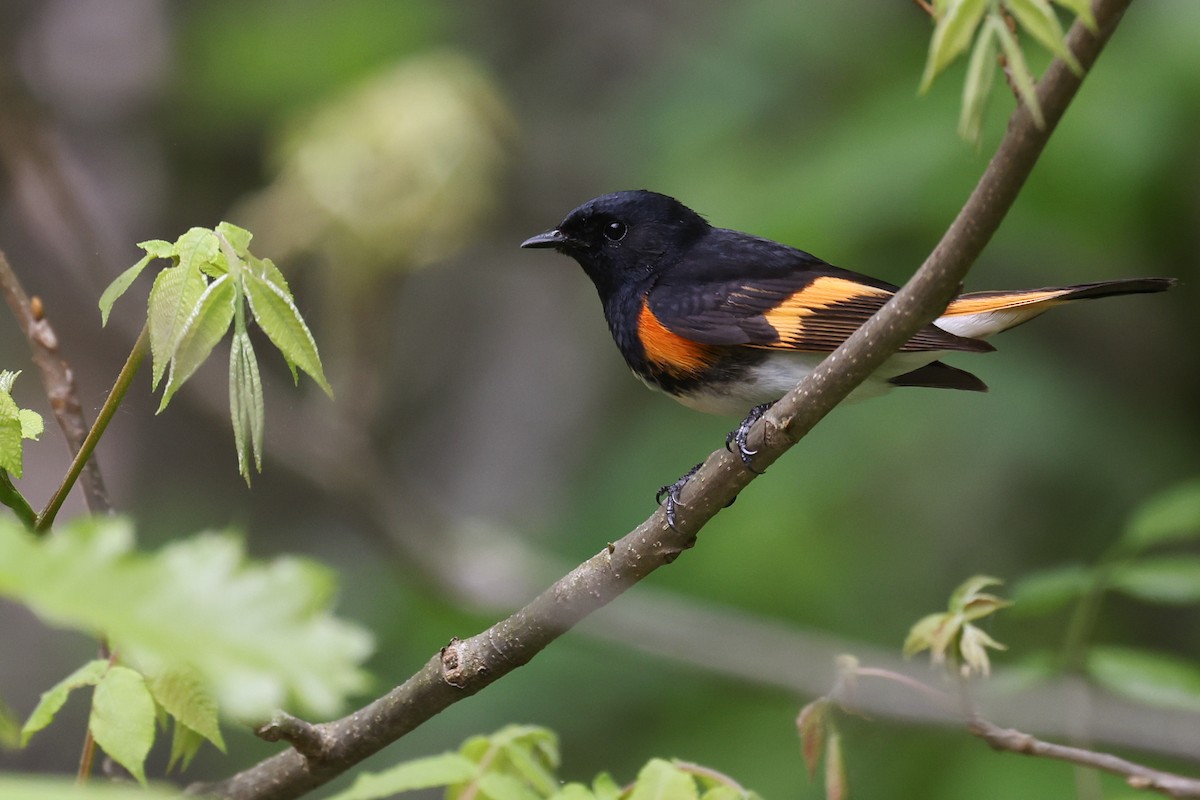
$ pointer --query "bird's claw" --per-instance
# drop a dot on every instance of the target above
(671, 493)
(739, 435)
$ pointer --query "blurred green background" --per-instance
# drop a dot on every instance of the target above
(390, 156)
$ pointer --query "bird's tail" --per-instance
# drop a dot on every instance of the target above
(980, 314)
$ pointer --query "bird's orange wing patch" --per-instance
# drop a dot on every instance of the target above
(669, 351)
(822, 314)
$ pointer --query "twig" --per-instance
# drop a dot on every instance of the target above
(57, 378)
(111, 403)
(1136, 775)
(465, 667)
(306, 738)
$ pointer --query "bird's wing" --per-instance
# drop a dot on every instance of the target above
(756, 293)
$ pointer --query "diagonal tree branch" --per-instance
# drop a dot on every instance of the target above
(58, 380)
(464, 667)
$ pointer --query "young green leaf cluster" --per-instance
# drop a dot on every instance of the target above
(212, 279)
(195, 625)
(1137, 567)
(953, 633)
(16, 425)
(991, 26)
(520, 762)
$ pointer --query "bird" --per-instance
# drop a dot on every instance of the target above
(726, 322)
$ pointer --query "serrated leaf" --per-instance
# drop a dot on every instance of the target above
(1167, 579)
(173, 300)
(121, 284)
(531, 769)
(981, 72)
(836, 786)
(446, 769)
(185, 743)
(811, 724)
(1018, 69)
(53, 698)
(1081, 9)
(951, 36)
(1171, 516)
(32, 425)
(238, 238)
(157, 248)
(662, 780)
(1039, 20)
(182, 692)
(198, 249)
(246, 410)
(260, 634)
(204, 328)
(1151, 678)
(1051, 589)
(122, 719)
(277, 315)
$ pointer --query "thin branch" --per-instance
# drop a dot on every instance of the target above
(111, 404)
(465, 667)
(1136, 775)
(58, 380)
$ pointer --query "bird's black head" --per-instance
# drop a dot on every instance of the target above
(622, 237)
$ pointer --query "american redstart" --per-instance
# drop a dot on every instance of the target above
(724, 321)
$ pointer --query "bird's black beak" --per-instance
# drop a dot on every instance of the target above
(551, 238)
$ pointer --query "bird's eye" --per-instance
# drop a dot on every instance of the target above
(615, 231)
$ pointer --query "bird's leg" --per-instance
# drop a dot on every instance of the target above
(739, 434)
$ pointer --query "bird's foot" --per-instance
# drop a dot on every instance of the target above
(738, 436)
(671, 494)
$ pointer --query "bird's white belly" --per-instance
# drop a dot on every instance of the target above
(779, 374)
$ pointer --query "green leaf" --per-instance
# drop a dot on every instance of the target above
(1037, 17)
(723, 792)
(173, 300)
(54, 697)
(11, 445)
(972, 647)
(605, 788)
(981, 72)
(182, 693)
(1081, 9)
(446, 769)
(951, 36)
(122, 719)
(32, 426)
(662, 780)
(499, 786)
(246, 409)
(534, 770)
(279, 318)
(1168, 517)
(185, 743)
(1022, 78)
(1052, 589)
(121, 284)
(574, 791)
(970, 590)
(10, 728)
(200, 335)
(238, 238)
(198, 249)
(1167, 579)
(260, 635)
(42, 787)
(1146, 677)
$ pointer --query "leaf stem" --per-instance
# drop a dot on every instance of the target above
(115, 396)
